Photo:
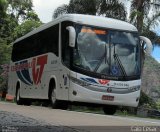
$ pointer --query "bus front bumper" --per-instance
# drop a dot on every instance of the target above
(82, 94)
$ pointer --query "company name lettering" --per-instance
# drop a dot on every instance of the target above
(36, 66)
(22, 66)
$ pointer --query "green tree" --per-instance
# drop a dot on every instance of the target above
(16, 19)
(25, 27)
(4, 48)
(145, 99)
(107, 8)
(19, 9)
(148, 26)
(3, 14)
(3, 8)
(16, 12)
(5, 51)
(158, 104)
(113, 9)
(32, 16)
(145, 16)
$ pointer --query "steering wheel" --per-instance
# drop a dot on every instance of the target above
(91, 62)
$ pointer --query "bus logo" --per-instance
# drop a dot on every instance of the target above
(36, 66)
(103, 82)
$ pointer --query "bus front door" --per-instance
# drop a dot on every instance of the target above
(63, 84)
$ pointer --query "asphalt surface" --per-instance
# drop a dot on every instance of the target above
(14, 118)
(12, 122)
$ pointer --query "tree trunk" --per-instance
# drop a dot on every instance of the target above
(140, 17)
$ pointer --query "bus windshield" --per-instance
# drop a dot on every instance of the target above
(108, 52)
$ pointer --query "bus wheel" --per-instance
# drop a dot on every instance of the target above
(27, 102)
(62, 105)
(19, 100)
(109, 109)
(57, 104)
(53, 98)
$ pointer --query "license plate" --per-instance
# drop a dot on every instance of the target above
(107, 97)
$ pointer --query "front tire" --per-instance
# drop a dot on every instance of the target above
(109, 109)
(57, 104)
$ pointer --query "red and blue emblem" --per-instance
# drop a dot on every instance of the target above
(94, 81)
(34, 75)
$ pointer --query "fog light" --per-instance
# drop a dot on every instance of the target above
(137, 99)
(74, 93)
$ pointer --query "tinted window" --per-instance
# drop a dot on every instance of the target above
(65, 43)
(37, 44)
(48, 40)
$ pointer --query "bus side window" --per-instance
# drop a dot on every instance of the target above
(65, 43)
(55, 39)
(48, 40)
(40, 43)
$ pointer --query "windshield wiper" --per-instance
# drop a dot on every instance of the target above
(116, 57)
(101, 59)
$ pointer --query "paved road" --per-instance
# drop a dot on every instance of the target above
(74, 121)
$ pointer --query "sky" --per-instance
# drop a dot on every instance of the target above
(45, 10)
(156, 53)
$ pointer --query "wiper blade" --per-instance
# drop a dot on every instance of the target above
(116, 57)
(101, 60)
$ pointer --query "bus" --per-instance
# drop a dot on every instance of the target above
(79, 59)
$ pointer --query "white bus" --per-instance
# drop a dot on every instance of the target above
(79, 59)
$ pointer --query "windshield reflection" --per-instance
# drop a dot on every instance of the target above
(106, 52)
(124, 54)
(92, 48)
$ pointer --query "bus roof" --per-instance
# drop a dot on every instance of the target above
(99, 21)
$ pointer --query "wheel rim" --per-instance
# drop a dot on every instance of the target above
(53, 96)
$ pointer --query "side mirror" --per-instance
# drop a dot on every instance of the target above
(146, 45)
(72, 36)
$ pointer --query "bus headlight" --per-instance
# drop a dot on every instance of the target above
(134, 88)
(79, 82)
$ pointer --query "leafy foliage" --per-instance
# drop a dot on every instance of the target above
(3, 8)
(113, 9)
(5, 51)
(16, 19)
(19, 9)
(107, 8)
(158, 104)
(25, 27)
(140, 10)
(146, 101)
